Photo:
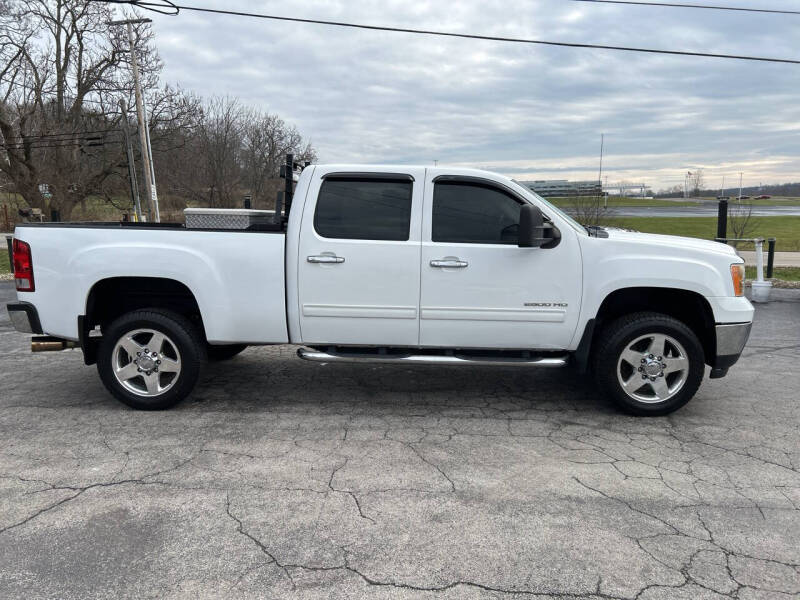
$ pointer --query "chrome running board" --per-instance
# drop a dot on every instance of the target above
(432, 359)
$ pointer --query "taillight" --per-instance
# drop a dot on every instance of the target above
(23, 267)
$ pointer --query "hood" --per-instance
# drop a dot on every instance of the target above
(671, 241)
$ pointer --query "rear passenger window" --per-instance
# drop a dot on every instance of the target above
(471, 213)
(364, 209)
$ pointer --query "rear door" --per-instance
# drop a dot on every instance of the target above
(359, 257)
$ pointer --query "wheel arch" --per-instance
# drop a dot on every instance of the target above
(112, 297)
(689, 307)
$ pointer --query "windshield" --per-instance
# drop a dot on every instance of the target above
(573, 223)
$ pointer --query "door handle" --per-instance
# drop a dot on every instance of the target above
(449, 264)
(325, 258)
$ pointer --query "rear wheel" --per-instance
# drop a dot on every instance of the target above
(151, 359)
(224, 352)
(649, 363)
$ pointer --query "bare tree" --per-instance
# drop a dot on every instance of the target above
(220, 143)
(697, 182)
(219, 150)
(740, 221)
(62, 71)
(589, 209)
(675, 191)
(267, 139)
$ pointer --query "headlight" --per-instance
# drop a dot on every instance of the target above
(737, 275)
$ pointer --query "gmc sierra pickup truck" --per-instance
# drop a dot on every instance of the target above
(389, 264)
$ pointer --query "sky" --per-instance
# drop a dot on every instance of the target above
(531, 112)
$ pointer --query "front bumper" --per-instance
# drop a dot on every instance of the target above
(24, 317)
(731, 340)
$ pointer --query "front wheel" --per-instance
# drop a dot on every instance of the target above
(649, 363)
(151, 359)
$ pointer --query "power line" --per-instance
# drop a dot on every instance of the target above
(167, 4)
(702, 6)
(55, 137)
(49, 146)
(84, 141)
(55, 143)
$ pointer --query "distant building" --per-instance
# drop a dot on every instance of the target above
(560, 188)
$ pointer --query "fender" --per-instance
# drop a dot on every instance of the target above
(640, 266)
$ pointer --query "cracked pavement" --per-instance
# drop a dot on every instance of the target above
(285, 479)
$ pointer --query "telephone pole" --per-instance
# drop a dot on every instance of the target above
(131, 164)
(600, 174)
(144, 133)
(740, 186)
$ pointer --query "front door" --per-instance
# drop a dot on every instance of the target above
(358, 267)
(479, 289)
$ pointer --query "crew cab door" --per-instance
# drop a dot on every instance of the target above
(479, 289)
(359, 256)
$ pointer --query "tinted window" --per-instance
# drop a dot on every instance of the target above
(474, 214)
(364, 209)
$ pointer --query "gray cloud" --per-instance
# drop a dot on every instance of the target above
(530, 111)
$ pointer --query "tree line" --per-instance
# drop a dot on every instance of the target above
(63, 72)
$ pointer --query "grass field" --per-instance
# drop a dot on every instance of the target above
(784, 273)
(614, 201)
(774, 201)
(786, 230)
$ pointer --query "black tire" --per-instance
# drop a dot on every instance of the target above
(224, 352)
(184, 342)
(617, 338)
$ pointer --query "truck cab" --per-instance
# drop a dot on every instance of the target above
(429, 258)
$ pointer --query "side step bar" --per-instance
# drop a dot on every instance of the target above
(432, 359)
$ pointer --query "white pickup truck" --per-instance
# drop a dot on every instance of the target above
(390, 264)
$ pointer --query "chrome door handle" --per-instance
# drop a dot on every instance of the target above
(449, 264)
(325, 258)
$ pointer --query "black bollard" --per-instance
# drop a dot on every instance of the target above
(722, 221)
(770, 256)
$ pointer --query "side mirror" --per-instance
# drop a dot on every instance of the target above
(531, 227)
(533, 231)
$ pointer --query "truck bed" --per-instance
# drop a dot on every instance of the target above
(236, 276)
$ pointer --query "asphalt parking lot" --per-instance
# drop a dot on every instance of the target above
(285, 479)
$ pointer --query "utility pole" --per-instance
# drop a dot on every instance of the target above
(600, 174)
(144, 134)
(740, 187)
(131, 165)
(150, 159)
(602, 141)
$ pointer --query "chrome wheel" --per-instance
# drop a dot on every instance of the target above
(146, 362)
(653, 368)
